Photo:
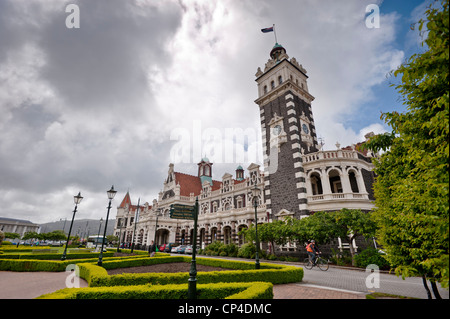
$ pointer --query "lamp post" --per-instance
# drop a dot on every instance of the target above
(99, 227)
(77, 199)
(111, 193)
(136, 215)
(256, 192)
(158, 212)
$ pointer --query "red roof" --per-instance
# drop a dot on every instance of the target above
(126, 200)
(192, 184)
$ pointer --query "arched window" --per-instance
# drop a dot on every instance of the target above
(316, 184)
(272, 85)
(335, 181)
(265, 89)
(280, 80)
(353, 182)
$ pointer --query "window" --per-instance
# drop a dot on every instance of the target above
(265, 89)
(280, 80)
(272, 85)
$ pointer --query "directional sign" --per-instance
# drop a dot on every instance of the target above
(178, 211)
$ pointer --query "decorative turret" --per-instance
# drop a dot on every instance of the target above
(239, 173)
(277, 51)
(205, 170)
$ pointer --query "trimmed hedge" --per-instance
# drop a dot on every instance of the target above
(53, 256)
(245, 272)
(247, 290)
(47, 265)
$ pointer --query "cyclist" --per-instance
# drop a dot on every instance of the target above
(312, 250)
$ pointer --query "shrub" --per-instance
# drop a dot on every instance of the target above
(371, 256)
(247, 251)
(248, 290)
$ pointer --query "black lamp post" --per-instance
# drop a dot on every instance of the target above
(256, 192)
(158, 213)
(111, 193)
(99, 227)
(77, 199)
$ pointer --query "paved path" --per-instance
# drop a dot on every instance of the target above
(305, 291)
(29, 285)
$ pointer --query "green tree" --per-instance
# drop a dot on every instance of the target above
(412, 185)
(352, 223)
(54, 235)
(277, 232)
(31, 235)
(12, 235)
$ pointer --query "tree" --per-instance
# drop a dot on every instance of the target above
(12, 235)
(31, 235)
(276, 232)
(54, 235)
(412, 184)
(351, 223)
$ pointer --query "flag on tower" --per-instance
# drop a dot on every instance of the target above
(265, 30)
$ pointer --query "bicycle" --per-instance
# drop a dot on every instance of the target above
(320, 262)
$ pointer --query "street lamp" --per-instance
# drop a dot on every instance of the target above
(111, 193)
(256, 192)
(77, 199)
(158, 213)
(99, 227)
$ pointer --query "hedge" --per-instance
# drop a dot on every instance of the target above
(47, 265)
(53, 256)
(247, 290)
(245, 272)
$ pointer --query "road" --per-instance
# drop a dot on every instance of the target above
(355, 280)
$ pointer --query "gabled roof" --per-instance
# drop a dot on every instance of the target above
(126, 200)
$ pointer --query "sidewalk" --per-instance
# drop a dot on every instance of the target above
(30, 285)
(304, 291)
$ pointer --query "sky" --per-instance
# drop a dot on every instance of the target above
(139, 84)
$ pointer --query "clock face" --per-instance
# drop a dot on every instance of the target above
(305, 128)
(276, 130)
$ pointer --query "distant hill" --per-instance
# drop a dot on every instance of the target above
(80, 227)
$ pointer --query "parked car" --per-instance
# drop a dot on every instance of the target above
(188, 249)
(181, 249)
(161, 248)
(168, 248)
(174, 250)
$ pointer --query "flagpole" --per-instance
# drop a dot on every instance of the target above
(275, 33)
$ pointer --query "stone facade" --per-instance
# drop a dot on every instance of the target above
(298, 177)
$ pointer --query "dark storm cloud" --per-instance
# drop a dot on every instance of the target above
(103, 64)
(77, 106)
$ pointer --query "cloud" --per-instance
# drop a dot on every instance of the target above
(86, 108)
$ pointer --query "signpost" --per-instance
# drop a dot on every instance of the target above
(179, 211)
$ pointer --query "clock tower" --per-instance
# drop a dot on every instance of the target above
(288, 132)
